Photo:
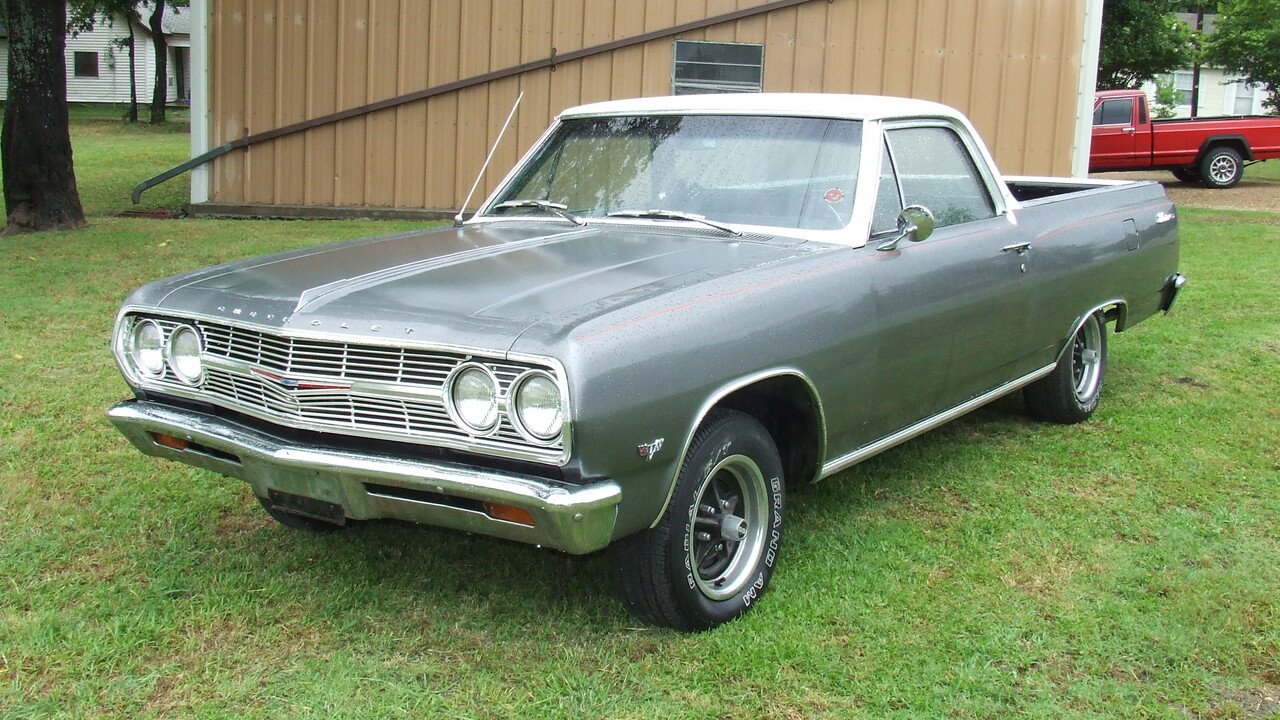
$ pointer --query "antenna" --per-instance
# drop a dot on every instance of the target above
(457, 219)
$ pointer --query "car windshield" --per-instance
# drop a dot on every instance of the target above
(785, 172)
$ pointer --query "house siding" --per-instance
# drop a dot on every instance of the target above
(112, 83)
(1013, 67)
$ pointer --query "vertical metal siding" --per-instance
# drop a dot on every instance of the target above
(1011, 65)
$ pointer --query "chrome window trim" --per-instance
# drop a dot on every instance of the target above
(853, 234)
(483, 446)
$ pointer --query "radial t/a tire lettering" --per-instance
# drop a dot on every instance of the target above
(710, 557)
(1071, 392)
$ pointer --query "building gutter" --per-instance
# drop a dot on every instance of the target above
(204, 154)
(1090, 47)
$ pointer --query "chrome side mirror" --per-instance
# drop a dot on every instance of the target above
(915, 223)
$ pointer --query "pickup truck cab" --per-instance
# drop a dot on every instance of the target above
(1209, 150)
(671, 311)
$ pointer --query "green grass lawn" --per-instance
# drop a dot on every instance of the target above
(1269, 170)
(1125, 567)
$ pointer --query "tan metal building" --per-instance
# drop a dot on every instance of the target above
(1023, 70)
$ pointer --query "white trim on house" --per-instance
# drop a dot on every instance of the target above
(1090, 47)
(111, 85)
(201, 110)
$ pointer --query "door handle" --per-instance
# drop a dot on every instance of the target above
(1019, 248)
(1128, 131)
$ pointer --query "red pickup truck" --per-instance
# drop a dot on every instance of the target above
(1209, 150)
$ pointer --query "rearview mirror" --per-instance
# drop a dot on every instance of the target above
(915, 223)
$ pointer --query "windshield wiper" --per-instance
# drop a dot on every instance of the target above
(552, 207)
(676, 215)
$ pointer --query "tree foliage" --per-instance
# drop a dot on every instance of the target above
(1247, 41)
(1142, 39)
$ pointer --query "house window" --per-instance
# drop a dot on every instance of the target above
(711, 67)
(1182, 83)
(86, 64)
(1244, 99)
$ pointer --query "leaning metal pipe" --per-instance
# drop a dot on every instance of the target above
(547, 62)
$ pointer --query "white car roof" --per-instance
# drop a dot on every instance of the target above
(852, 107)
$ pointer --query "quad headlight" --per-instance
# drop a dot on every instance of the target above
(537, 405)
(471, 398)
(185, 346)
(146, 348)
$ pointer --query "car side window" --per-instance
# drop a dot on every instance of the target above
(888, 197)
(935, 170)
(1114, 112)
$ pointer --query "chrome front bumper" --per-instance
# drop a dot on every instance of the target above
(577, 519)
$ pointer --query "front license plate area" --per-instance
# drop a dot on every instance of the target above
(308, 507)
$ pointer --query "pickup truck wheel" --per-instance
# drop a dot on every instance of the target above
(1071, 392)
(295, 521)
(1187, 175)
(1221, 167)
(710, 557)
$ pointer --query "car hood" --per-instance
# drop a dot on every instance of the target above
(478, 286)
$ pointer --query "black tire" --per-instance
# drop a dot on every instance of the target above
(1221, 167)
(1071, 392)
(1187, 175)
(685, 572)
(295, 521)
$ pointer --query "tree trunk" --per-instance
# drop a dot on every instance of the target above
(35, 142)
(133, 72)
(161, 92)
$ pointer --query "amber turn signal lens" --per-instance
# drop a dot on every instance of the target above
(170, 441)
(509, 513)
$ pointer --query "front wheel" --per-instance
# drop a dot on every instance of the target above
(1222, 167)
(710, 557)
(1071, 392)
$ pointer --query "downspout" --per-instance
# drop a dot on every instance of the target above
(1090, 46)
(201, 127)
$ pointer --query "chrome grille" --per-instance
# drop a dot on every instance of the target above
(396, 392)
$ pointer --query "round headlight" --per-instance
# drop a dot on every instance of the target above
(538, 410)
(146, 348)
(185, 347)
(473, 398)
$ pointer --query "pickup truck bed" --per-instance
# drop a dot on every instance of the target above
(1209, 150)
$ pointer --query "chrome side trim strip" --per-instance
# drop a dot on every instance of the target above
(834, 466)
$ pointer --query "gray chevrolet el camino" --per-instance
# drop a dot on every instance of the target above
(670, 311)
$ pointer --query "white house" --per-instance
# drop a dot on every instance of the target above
(98, 60)
(1221, 93)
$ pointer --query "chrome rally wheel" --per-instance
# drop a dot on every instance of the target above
(710, 556)
(727, 535)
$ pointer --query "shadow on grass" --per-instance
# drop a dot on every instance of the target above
(392, 574)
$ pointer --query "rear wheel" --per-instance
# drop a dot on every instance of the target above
(1221, 167)
(1187, 175)
(710, 557)
(1071, 392)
